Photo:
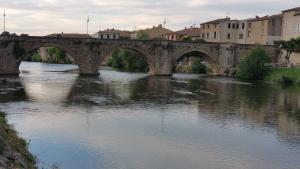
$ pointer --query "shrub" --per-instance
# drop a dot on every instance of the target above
(285, 80)
(36, 58)
(253, 66)
(127, 60)
(199, 67)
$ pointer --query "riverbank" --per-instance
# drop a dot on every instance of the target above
(14, 152)
(286, 76)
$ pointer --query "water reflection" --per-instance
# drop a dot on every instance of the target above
(125, 120)
(11, 90)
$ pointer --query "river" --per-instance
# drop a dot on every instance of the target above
(135, 121)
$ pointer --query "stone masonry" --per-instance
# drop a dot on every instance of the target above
(88, 54)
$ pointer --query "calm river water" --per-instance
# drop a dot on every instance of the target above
(135, 121)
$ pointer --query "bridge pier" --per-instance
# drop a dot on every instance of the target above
(88, 69)
(9, 64)
(161, 66)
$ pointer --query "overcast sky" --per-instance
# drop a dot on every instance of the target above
(40, 17)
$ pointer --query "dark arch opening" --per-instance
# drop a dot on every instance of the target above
(48, 54)
(192, 62)
(127, 59)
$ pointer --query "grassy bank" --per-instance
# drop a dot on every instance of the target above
(14, 152)
(285, 76)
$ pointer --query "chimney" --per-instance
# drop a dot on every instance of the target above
(257, 17)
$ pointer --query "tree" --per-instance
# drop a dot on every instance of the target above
(253, 66)
(142, 35)
(187, 39)
(127, 60)
(199, 67)
(59, 56)
(289, 47)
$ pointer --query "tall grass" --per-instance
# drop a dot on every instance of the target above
(285, 76)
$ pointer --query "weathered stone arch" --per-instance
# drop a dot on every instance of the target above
(107, 52)
(36, 47)
(212, 61)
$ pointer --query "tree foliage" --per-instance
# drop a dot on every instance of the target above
(253, 66)
(198, 67)
(289, 47)
(128, 60)
(142, 35)
(57, 55)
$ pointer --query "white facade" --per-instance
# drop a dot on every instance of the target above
(106, 35)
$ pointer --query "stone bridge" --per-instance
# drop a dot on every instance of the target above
(88, 54)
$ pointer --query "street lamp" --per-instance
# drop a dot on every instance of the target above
(87, 25)
(4, 21)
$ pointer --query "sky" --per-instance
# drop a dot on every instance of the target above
(42, 17)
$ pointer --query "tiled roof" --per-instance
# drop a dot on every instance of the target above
(217, 21)
(121, 32)
(293, 9)
(189, 32)
(157, 32)
(257, 18)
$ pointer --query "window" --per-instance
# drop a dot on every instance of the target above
(243, 26)
(237, 26)
(215, 26)
(228, 36)
(203, 35)
(233, 26)
(249, 33)
(207, 35)
(241, 36)
(101, 36)
(208, 26)
(298, 27)
(229, 25)
(249, 25)
(262, 23)
(114, 37)
(215, 35)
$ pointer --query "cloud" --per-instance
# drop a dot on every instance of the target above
(40, 17)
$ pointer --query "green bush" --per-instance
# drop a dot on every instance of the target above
(36, 57)
(57, 55)
(198, 67)
(253, 66)
(127, 60)
(285, 76)
(286, 80)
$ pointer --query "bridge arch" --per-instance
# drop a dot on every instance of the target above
(137, 51)
(212, 62)
(80, 54)
(70, 52)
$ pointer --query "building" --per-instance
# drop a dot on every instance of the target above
(274, 29)
(156, 32)
(112, 34)
(264, 30)
(241, 34)
(192, 32)
(257, 30)
(211, 30)
(291, 29)
(224, 30)
(291, 23)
